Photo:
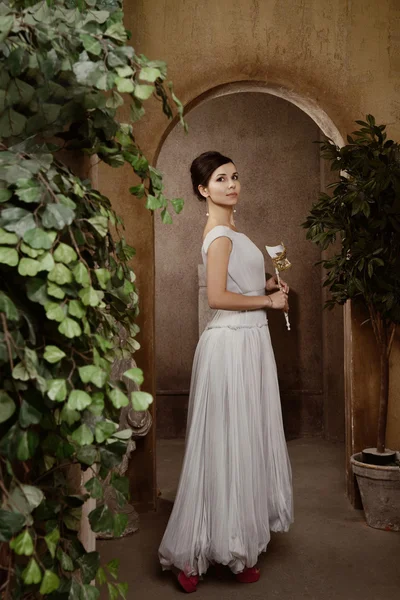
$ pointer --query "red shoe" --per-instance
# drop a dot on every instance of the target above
(250, 575)
(189, 584)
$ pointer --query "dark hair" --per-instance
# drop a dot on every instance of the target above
(203, 167)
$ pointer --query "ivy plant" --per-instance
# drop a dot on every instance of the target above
(66, 285)
(363, 212)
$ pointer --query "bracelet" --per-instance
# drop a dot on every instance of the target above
(272, 304)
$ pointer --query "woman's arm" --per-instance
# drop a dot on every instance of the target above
(217, 271)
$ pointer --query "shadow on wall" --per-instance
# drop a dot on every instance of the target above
(270, 141)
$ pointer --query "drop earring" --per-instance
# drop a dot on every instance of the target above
(234, 210)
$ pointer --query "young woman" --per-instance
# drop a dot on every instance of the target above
(236, 481)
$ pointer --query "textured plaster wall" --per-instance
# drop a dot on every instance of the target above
(271, 142)
(343, 57)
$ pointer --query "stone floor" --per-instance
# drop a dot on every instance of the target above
(328, 554)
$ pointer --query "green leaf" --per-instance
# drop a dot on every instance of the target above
(89, 592)
(36, 291)
(112, 591)
(81, 275)
(27, 444)
(22, 544)
(153, 202)
(178, 204)
(141, 400)
(53, 354)
(125, 71)
(120, 523)
(32, 573)
(90, 44)
(64, 254)
(124, 85)
(93, 374)
(57, 389)
(87, 455)
(28, 266)
(9, 256)
(65, 560)
(10, 523)
(76, 309)
(166, 217)
(89, 296)
(55, 291)
(89, 564)
(8, 238)
(69, 416)
(143, 92)
(52, 540)
(12, 123)
(46, 262)
(60, 274)
(5, 195)
(22, 225)
(83, 436)
(149, 74)
(137, 190)
(57, 216)
(123, 589)
(28, 414)
(104, 430)
(103, 277)
(50, 583)
(26, 498)
(101, 519)
(30, 251)
(70, 328)
(135, 375)
(118, 398)
(79, 400)
(55, 312)
(97, 405)
(38, 239)
(100, 224)
(8, 307)
(94, 488)
(28, 190)
(7, 406)
(113, 567)
(20, 372)
(124, 434)
(101, 576)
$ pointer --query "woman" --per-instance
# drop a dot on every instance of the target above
(236, 481)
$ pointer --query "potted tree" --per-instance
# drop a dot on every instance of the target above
(364, 211)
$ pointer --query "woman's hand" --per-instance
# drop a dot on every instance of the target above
(272, 284)
(279, 301)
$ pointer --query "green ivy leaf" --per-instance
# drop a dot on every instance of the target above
(5, 195)
(28, 266)
(97, 405)
(90, 44)
(93, 374)
(135, 375)
(57, 216)
(70, 328)
(64, 254)
(55, 312)
(50, 582)
(12, 123)
(166, 217)
(10, 523)
(79, 400)
(178, 204)
(90, 296)
(20, 372)
(53, 354)
(8, 238)
(149, 74)
(65, 560)
(7, 406)
(22, 544)
(120, 523)
(89, 592)
(87, 455)
(9, 256)
(103, 277)
(113, 567)
(94, 488)
(26, 498)
(60, 274)
(143, 92)
(81, 275)
(89, 564)
(27, 444)
(46, 262)
(52, 540)
(76, 309)
(28, 414)
(32, 574)
(123, 589)
(57, 389)
(125, 86)
(28, 190)
(104, 430)
(100, 224)
(112, 591)
(55, 291)
(101, 519)
(38, 239)
(30, 251)
(118, 398)
(83, 436)
(141, 400)
(8, 307)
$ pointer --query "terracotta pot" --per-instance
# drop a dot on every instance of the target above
(380, 493)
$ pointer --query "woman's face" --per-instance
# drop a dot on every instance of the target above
(223, 186)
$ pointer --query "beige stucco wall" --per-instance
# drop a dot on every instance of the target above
(343, 57)
(271, 142)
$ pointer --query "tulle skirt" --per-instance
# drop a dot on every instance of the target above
(236, 481)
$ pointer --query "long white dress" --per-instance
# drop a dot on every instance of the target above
(236, 481)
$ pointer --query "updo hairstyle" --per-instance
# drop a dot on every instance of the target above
(203, 167)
